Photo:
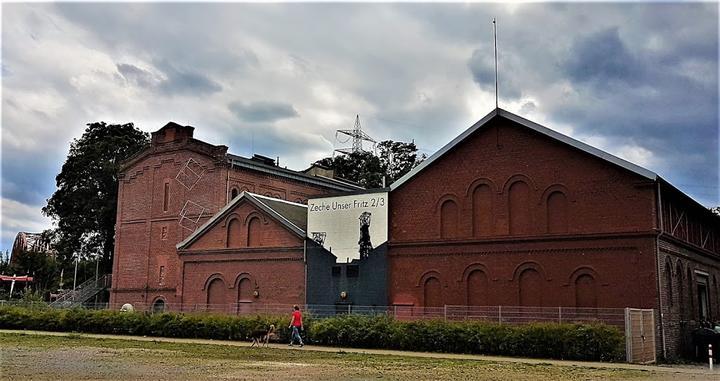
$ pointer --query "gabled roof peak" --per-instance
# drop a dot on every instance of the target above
(290, 214)
(500, 113)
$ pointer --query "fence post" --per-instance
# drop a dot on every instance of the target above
(559, 315)
(348, 309)
(500, 314)
(395, 311)
(710, 355)
(445, 312)
(628, 337)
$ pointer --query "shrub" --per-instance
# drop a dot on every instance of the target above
(542, 340)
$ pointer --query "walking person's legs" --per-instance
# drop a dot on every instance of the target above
(296, 335)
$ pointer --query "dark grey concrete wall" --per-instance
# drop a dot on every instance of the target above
(368, 288)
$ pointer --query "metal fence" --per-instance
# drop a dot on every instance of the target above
(496, 314)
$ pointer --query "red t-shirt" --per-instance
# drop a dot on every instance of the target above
(297, 319)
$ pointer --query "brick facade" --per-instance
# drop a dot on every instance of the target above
(525, 210)
(153, 192)
(513, 216)
(247, 251)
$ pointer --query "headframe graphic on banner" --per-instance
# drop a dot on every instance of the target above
(349, 226)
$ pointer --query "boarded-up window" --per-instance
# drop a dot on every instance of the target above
(245, 291)
(531, 288)
(166, 197)
(557, 213)
(585, 291)
(448, 219)
(216, 295)
(254, 232)
(519, 200)
(433, 293)
(234, 234)
(477, 285)
(482, 211)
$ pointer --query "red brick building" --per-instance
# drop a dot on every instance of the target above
(252, 251)
(169, 190)
(509, 213)
(512, 213)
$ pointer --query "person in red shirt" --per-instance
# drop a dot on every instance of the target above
(296, 325)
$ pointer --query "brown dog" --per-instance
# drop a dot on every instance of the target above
(260, 336)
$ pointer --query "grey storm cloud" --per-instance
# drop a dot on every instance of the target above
(262, 111)
(183, 81)
(175, 82)
(602, 57)
(136, 75)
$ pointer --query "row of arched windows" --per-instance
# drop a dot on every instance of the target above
(529, 277)
(244, 234)
(520, 208)
(217, 290)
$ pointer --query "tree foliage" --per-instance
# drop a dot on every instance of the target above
(85, 202)
(392, 161)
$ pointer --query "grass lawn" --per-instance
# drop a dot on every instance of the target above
(26, 357)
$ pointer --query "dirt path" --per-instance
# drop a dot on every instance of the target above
(678, 370)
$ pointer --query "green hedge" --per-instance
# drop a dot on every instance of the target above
(541, 340)
(204, 326)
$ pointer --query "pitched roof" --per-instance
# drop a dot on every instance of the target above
(327, 182)
(292, 215)
(500, 113)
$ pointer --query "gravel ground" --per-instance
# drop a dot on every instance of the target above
(33, 357)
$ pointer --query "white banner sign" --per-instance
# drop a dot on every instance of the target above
(349, 226)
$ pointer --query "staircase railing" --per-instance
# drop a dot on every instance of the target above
(83, 293)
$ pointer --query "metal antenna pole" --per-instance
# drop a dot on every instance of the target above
(496, 62)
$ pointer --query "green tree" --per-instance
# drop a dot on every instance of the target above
(393, 160)
(85, 202)
(41, 266)
(398, 158)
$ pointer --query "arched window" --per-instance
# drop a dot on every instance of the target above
(585, 291)
(234, 234)
(557, 213)
(477, 287)
(448, 219)
(432, 292)
(216, 295)
(531, 290)
(668, 285)
(158, 306)
(482, 204)
(245, 291)
(254, 232)
(234, 193)
(519, 208)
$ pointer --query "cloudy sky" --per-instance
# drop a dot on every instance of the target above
(637, 80)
